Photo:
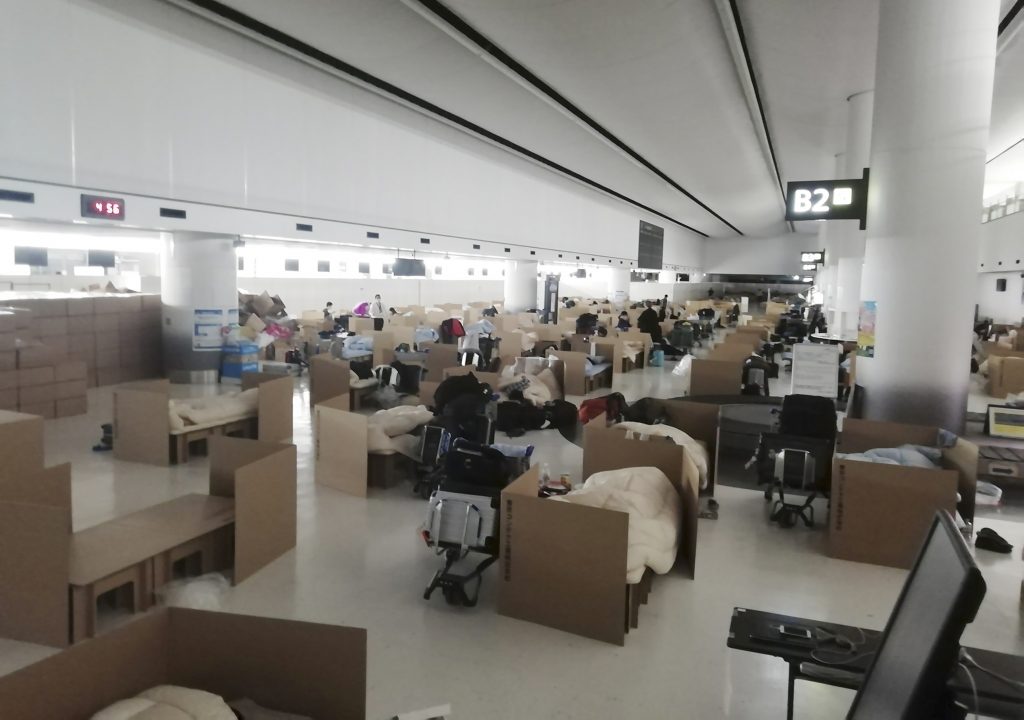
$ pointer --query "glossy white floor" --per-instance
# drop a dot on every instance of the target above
(360, 562)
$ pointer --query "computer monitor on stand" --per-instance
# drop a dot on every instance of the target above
(920, 647)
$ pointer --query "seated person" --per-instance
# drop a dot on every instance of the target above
(624, 323)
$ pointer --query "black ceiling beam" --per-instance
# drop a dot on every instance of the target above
(457, 22)
(1010, 15)
(757, 97)
(279, 37)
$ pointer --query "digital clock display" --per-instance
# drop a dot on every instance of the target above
(99, 206)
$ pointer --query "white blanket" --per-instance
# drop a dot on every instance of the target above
(387, 430)
(694, 449)
(655, 514)
(168, 702)
(200, 411)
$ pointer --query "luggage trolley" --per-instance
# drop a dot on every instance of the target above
(462, 514)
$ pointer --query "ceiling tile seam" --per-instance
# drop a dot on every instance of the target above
(495, 51)
(309, 53)
(757, 96)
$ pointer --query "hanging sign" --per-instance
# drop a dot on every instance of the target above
(828, 200)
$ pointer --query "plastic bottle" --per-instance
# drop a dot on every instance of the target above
(545, 475)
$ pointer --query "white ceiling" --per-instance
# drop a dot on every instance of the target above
(658, 74)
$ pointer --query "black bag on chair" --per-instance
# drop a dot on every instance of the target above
(561, 414)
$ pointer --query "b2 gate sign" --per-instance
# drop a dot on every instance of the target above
(828, 200)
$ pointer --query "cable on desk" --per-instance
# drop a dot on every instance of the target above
(846, 657)
(974, 687)
(1015, 684)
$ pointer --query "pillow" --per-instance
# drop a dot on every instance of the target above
(548, 379)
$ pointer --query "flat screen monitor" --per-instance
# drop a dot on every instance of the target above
(921, 643)
(101, 258)
(408, 267)
(33, 256)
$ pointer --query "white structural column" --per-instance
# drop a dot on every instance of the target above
(199, 288)
(828, 240)
(520, 285)
(849, 238)
(618, 285)
(933, 99)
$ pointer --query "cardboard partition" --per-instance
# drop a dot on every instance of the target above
(35, 538)
(731, 352)
(881, 513)
(760, 331)
(439, 358)
(716, 377)
(574, 372)
(261, 477)
(230, 655)
(383, 347)
(275, 404)
(1005, 375)
(580, 588)
(21, 443)
(361, 325)
(861, 435)
(699, 421)
(328, 378)
(748, 339)
(427, 390)
(141, 424)
(341, 456)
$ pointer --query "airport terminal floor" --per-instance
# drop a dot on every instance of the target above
(360, 562)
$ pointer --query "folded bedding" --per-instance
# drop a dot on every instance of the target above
(919, 456)
(168, 702)
(592, 369)
(536, 389)
(654, 509)
(694, 449)
(388, 430)
(632, 348)
(202, 411)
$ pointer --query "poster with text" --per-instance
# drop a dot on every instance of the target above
(207, 326)
(866, 328)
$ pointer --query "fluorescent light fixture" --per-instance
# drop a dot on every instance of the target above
(810, 266)
(796, 277)
(6, 216)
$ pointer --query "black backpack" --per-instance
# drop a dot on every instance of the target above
(456, 386)
(561, 414)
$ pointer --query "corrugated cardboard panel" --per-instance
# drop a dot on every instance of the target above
(265, 511)
(439, 358)
(302, 668)
(341, 447)
(328, 378)
(228, 455)
(749, 339)
(881, 513)
(860, 435)
(275, 404)
(21, 443)
(715, 377)
(562, 565)
(575, 364)
(731, 351)
(141, 424)
(34, 570)
(82, 680)
(50, 486)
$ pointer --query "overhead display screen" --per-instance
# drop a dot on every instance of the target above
(828, 200)
(652, 246)
(100, 206)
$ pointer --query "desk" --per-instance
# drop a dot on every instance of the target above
(995, 698)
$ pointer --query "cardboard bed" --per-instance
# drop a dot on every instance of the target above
(51, 578)
(342, 457)
(233, 656)
(564, 565)
(881, 513)
(331, 378)
(142, 428)
(734, 351)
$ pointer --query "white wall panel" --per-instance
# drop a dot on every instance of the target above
(757, 256)
(160, 102)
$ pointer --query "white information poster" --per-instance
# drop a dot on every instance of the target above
(815, 369)
(207, 324)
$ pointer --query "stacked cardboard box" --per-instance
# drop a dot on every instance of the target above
(53, 346)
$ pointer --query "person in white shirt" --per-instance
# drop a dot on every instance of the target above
(377, 313)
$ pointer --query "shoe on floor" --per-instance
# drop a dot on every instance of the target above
(989, 539)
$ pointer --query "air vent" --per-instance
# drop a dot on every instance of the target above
(533, 252)
(508, 250)
(17, 196)
(476, 247)
(424, 241)
(173, 213)
(372, 235)
(559, 254)
(304, 227)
